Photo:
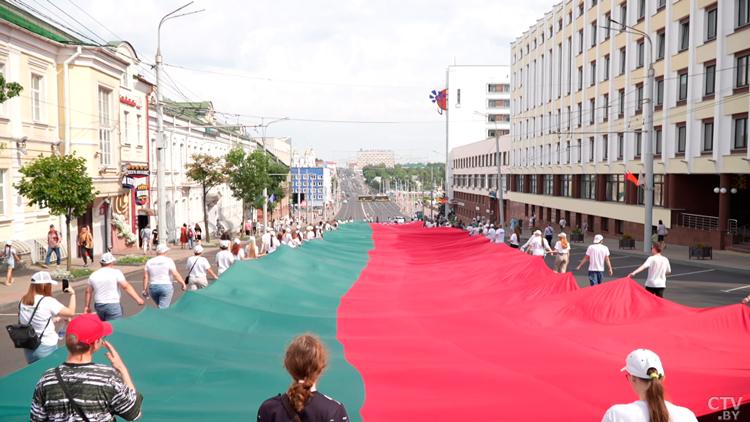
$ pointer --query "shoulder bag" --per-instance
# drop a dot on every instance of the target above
(23, 335)
(72, 402)
(289, 409)
(187, 279)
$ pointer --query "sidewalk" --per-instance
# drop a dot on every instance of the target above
(723, 260)
(9, 295)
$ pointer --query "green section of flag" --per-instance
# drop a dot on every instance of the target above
(217, 353)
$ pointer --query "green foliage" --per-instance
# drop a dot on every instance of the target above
(248, 175)
(626, 237)
(208, 171)
(133, 259)
(57, 183)
(80, 272)
(277, 183)
(429, 181)
(8, 90)
(576, 231)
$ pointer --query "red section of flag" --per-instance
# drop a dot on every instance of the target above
(630, 176)
(486, 330)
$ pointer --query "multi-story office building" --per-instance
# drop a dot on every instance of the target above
(578, 107)
(375, 158)
(477, 107)
(475, 179)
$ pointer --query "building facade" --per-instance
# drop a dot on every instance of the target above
(578, 105)
(376, 158)
(474, 179)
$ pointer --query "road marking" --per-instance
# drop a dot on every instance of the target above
(694, 272)
(738, 288)
(627, 266)
(363, 209)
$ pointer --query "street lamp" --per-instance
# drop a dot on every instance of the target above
(499, 172)
(648, 155)
(265, 190)
(159, 143)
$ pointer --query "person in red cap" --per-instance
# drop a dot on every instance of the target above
(82, 390)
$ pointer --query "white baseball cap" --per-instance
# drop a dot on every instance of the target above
(198, 250)
(162, 248)
(538, 232)
(224, 244)
(8, 242)
(108, 258)
(562, 235)
(237, 241)
(640, 361)
(598, 238)
(42, 277)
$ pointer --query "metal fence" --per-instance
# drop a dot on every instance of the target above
(700, 222)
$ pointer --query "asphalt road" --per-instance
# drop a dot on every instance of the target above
(361, 210)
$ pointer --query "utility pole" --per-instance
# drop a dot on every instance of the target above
(265, 189)
(159, 143)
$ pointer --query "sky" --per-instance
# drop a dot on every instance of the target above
(324, 64)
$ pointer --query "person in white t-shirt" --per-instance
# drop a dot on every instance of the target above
(491, 233)
(104, 284)
(251, 252)
(500, 235)
(238, 253)
(646, 376)
(158, 276)
(39, 297)
(599, 254)
(224, 258)
(515, 238)
(537, 245)
(197, 267)
(265, 240)
(562, 247)
(658, 270)
(309, 235)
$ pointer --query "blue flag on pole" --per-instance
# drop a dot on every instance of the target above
(272, 198)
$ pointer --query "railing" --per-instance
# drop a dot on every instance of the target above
(741, 234)
(732, 226)
(700, 222)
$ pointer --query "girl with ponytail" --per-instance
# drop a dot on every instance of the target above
(646, 376)
(305, 361)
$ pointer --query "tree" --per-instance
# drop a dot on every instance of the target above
(59, 184)
(208, 171)
(248, 175)
(8, 90)
(278, 176)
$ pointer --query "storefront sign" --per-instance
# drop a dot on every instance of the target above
(130, 101)
(141, 194)
(131, 172)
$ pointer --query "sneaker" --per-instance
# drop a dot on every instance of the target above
(44, 266)
(86, 265)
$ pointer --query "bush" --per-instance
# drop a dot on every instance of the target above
(576, 231)
(702, 246)
(626, 237)
(133, 259)
(80, 272)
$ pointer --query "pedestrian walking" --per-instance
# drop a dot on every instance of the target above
(198, 267)
(238, 254)
(147, 236)
(520, 226)
(53, 245)
(645, 373)
(251, 252)
(198, 233)
(155, 236)
(662, 232)
(305, 361)
(10, 256)
(563, 224)
(86, 243)
(104, 285)
(183, 236)
(224, 258)
(585, 228)
(158, 275)
(598, 254)
(500, 235)
(190, 237)
(80, 389)
(39, 308)
(515, 238)
(549, 232)
(537, 245)
(563, 253)
(248, 227)
(658, 270)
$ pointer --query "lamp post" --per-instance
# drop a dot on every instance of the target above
(265, 190)
(159, 143)
(648, 154)
(499, 172)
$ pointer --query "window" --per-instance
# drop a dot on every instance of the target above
(661, 4)
(657, 141)
(593, 3)
(682, 88)
(580, 114)
(591, 149)
(105, 140)
(608, 25)
(124, 79)
(640, 49)
(660, 92)
(620, 145)
(605, 106)
(742, 71)
(658, 190)
(498, 103)
(639, 97)
(2, 192)
(533, 184)
(641, 9)
(616, 188)
(588, 186)
(579, 151)
(566, 185)
(621, 103)
(623, 62)
(458, 97)
(560, 25)
(681, 138)
(711, 23)
(740, 133)
(606, 68)
(660, 45)
(519, 183)
(36, 98)
(580, 9)
(580, 78)
(592, 104)
(593, 73)
(547, 184)
(580, 41)
(605, 148)
(710, 88)
(708, 136)
(138, 128)
(125, 131)
(743, 12)
(593, 34)
(623, 16)
(638, 143)
(684, 35)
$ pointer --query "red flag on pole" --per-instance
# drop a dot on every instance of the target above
(630, 176)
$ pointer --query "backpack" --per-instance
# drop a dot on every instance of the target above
(23, 335)
(189, 232)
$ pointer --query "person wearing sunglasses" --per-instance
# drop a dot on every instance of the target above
(645, 374)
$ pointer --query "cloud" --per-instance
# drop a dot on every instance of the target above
(407, 44)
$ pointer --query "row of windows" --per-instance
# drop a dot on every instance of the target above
(297, 183)
(306, 176)
(307, 190)
(483, 160)
(480, 181)
(572, 151)
(614, 191)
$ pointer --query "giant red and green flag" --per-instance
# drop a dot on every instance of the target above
(422, 324)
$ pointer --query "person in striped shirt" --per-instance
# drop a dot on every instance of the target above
(99, 392)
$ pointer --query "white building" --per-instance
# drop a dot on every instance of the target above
(478, 106)
(375, 157)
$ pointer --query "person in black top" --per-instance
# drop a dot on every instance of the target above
(305, 361)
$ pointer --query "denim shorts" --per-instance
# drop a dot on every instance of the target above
(33, 355)
(108, 311)
(161, 294)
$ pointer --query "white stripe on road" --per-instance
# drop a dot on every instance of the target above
(694, 272)
(363, 209)
(738, 288)
(627, 266)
